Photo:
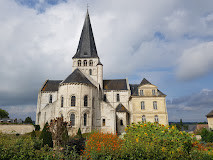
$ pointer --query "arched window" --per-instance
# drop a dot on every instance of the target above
(142, 105)
(79, 62)
(118, 98)
(72, 119)
(73, 101)
(90, 63)
(62, 101)
(143, 118)
(121, 122)
(90, 71)
(93, 102)
(85, 62)
(85, 101)
(85, 119)
(156, 118)
(51, 99)
(155, 105)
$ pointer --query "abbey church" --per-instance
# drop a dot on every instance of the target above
(85, 100)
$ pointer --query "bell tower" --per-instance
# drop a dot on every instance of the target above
(86, 58)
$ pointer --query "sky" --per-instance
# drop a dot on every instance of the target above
(168, 42)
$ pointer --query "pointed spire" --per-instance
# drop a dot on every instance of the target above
(86, 46)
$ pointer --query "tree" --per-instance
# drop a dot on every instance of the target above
(58, 128)
(46, 136)
(28, 120)
(4, 114)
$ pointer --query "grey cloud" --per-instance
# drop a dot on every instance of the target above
(191, 108)
(35, 47)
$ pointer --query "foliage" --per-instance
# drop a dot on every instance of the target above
(77, 144)
(37, 127)
(4, 114)
(33, 134)
(28, 120)
(46, 136)
(58, 128)
(155, 141)
(79, 133)
(103, 146)
(207, 136)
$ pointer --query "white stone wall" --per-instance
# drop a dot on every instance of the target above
(14, 129)
(85, 69)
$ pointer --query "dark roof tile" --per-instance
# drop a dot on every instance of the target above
(51, 85)
(86, 46)
(115, 84)
(210, 114)
(121, 108)
(77, 77)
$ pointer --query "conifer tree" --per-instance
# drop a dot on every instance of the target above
(46, 136)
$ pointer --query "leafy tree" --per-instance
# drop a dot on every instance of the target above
(28, 120)
(33, 134)
(58, 128)
(46, 136)
(79, 133)
(4, 114)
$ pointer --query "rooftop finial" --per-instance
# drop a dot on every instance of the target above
(87, 6)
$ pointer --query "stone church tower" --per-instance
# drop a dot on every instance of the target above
(88, 102)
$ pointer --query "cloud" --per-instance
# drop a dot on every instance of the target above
(193, 107)
(39, 38)
(196, 61)
(21, 112)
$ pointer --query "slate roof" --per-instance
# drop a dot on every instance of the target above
(51, 85)
(144, 81)
(210, 114)
(77, 77)
(134, 90)
(121, 108)
(115, 84)
(86, 46)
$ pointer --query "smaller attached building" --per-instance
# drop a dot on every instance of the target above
(210, 119)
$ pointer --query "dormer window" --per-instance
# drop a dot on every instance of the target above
(85, 62)
(85, 53)
(141, 92)
(153, 92)
(79, 62)
(90, 63)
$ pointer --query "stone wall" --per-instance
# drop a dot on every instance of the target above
(16, 128)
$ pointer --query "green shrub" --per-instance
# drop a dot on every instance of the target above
(37, 127)
(46, 136)
(206, 135)
(155, 141)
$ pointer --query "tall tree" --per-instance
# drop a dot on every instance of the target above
(4, 114)
(28, 120)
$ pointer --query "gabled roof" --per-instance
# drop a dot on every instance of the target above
(210, 114)
(77, 77)
(86, 46)
(134, 90)
(144, 82)
(115, 84)
(121, 108)
(51, 85)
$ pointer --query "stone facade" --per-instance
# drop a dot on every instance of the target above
(210, 119)
(88, 102)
